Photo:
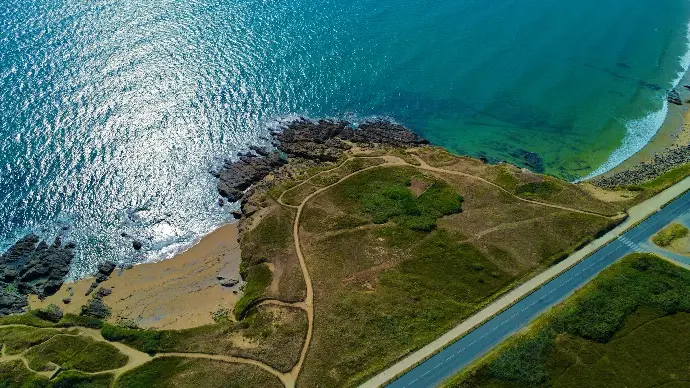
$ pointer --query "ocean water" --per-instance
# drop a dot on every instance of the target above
(112, 112)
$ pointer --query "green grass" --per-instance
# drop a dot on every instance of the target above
(626, 328)
(29, 319)
(670, 234)
(664, 181)
(17, 339)
(75, 352)
(277, 340)
(360, 331)
(68, 320)
(73, 379)
(13, 374)
(199, 373)
(384, 195)
(537, 190)
(296, 195)
(258, 277)
(270, 242)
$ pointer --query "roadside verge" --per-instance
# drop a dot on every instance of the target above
(636, 214)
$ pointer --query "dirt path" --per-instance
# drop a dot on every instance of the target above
(137, 358)
(424, 166)
(389, 161)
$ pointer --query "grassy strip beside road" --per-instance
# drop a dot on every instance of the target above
(670, 234)
(637, 214)
(627, 326)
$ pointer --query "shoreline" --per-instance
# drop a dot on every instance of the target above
(177, 293)
(674, 132)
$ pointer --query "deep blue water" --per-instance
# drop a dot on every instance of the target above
(112, 112)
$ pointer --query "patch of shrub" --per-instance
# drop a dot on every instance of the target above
(258, 277)
(524, 362)
(147, 341)
(670, 234)
(536, 189)
(384, 194)
(51, 313)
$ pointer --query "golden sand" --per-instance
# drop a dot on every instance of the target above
(177, 293)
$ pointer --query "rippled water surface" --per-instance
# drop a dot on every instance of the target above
(113, 112)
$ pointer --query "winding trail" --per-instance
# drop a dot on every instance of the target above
(389, 161)
(137, 358)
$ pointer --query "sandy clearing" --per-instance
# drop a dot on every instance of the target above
(177, 293)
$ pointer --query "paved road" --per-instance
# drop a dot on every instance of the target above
(468, 348)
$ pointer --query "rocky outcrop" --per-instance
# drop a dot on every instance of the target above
(237, 176)
(32, 266)
(661, 163)
(319, 141)
(104, 271)
(674, 97)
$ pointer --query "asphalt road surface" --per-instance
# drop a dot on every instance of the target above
(476, 343)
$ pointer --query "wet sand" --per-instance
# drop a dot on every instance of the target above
(177, 293)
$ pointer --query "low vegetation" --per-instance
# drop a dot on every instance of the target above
(626, 328)
(395, 264)
(266, 248)
(15, 374)
(273, 335)
(182, 372)
(669, 234)
(662, 182)
(75, 352)
(15, 340)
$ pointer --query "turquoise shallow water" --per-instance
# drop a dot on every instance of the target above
(112, 112)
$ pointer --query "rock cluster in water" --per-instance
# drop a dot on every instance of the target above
(531, 159)
(661, 163)
(321, 141)
(31, 266)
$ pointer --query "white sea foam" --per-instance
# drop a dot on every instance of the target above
(641, 131)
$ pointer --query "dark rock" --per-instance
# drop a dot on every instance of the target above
(643, 172)
(12, 302)
(136, 244)
(236, 214)
(103, 292)
(91, 288)
(530, 159)
(100, 278)
(124, 234)
(51, 313)
(95, 308)
(385, 132)
(221, 202)
(227, 282)
(106, 268)
(235, 177)
(674, 97)
(32, 266)
(260, 151)
(320, 141)
(9, 274)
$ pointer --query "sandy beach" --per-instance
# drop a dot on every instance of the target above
(675, 132)
(177, 293)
